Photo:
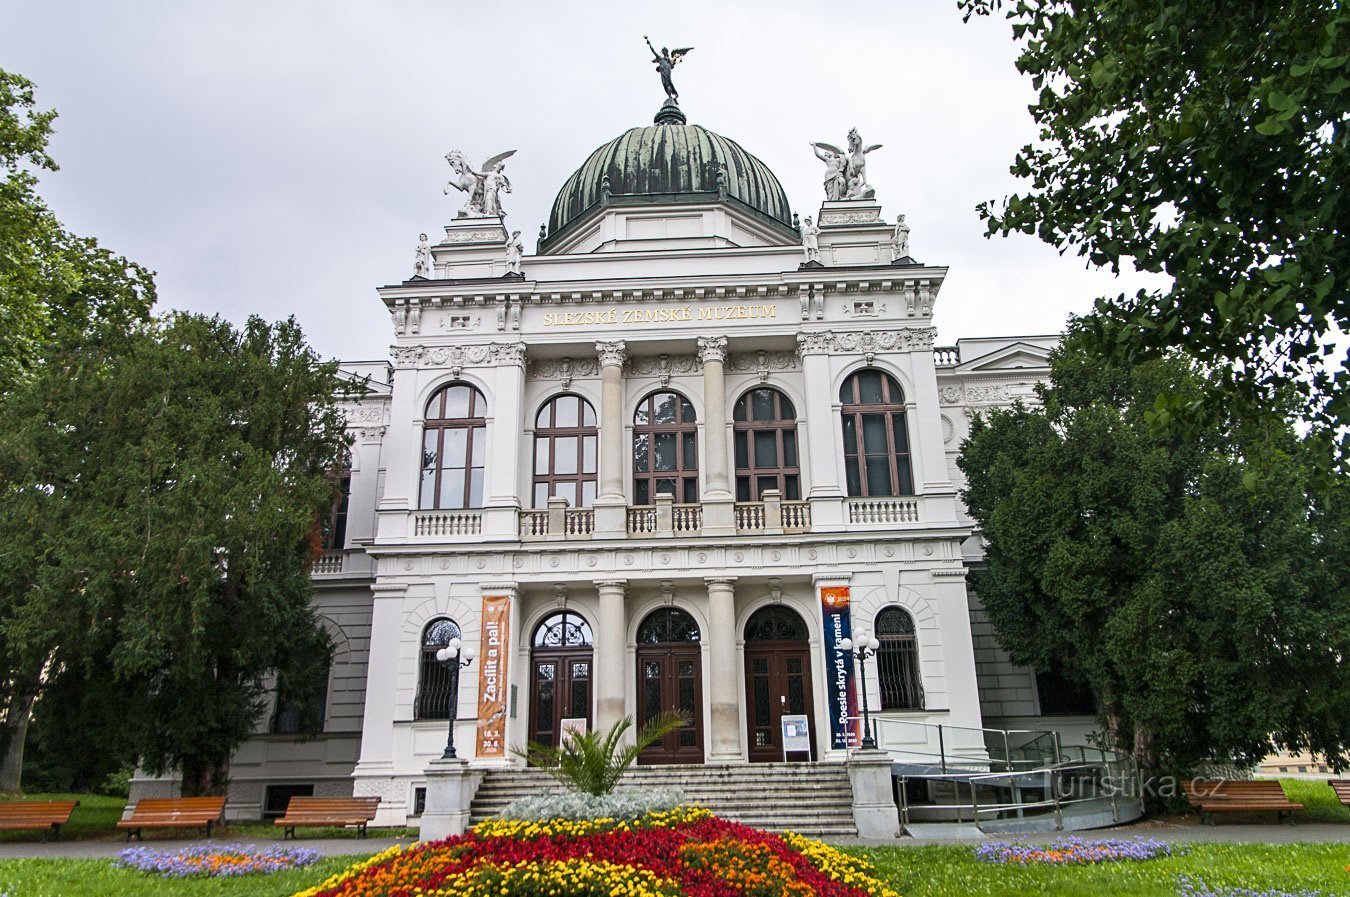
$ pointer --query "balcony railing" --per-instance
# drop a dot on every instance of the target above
(883, 510)
(329, 562)
(773, 515)
(557, 522)
(447, 523)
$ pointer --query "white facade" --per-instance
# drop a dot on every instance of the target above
(703, 300)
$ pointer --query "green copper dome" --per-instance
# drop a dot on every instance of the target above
(670, 163)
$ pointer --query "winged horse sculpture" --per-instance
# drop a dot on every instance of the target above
(481, 187)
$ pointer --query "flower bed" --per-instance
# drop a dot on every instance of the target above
(1072, 851)
(1191, 887)
(215, 860)
(686, 851)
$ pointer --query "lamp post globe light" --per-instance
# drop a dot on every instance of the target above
(454, 654)
(863, 647)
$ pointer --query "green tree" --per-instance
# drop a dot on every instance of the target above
(1210, 621)
(165, 487)
(54, 286)
(1207, 141)
(593, 762)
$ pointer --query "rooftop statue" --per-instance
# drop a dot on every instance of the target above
(665, 62)
(900, 239)
(422, 266)
(482, 187)
(846, 172)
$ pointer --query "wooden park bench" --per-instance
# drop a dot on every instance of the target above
(174, 812)
(1342, 789)
(316, 811)
(1226, 796)
(48, 815)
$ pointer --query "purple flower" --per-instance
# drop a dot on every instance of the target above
(1194, 887)
(1073, 851)
(216, 860)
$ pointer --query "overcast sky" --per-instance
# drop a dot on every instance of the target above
(279, 158)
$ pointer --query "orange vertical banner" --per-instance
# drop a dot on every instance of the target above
(493, 640)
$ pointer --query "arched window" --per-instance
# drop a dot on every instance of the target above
(876, 442)
(766, 445)
(898, 661)
(775, 623)
(563, 630)
(437, 683)
(665, 449)
(565, 440)
(454, 449)
(667, 625)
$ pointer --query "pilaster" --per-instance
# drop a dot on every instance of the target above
(610, 654)
(719, 513)
(611, 507)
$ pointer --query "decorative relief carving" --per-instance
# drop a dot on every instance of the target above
(461, 322)
(948, 429)
(662, 366)
(370, 434)
(712, 348)
(611, 352)
(993, 394)
(458, 356)
(831, 217)
(951, 395)
(564, 369)
(405, 357)
(906, 339)
(749, 362)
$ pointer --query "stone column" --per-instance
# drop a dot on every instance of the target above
(824, 446)
(502, 489)
(610, 651)
(718, 502)
(723, 694)
(610, 504)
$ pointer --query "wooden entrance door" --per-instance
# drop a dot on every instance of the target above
(560, 689)
(777, 680)
(670, 680)
(560, 675)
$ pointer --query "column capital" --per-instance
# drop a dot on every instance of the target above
(712, 348)
(620, 584)
(611, 352)
(711, 581)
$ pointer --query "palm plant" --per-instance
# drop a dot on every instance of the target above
(592, 762)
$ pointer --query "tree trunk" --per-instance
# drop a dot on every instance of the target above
(205, 777)
(15, 733)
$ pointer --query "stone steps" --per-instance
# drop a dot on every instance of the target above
(809, 798)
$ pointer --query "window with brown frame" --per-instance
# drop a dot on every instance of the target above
(565, 444)
(766, 445)
(665, 449)
(334, 527)
(454, 449)
(876, 441)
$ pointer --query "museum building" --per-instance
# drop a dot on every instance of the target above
(668, 462)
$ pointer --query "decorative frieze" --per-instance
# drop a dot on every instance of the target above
(457, 357)
(868, 342)
(564, 369)
(987, 394)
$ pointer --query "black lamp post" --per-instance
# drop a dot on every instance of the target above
(454, 654)
(864, 647)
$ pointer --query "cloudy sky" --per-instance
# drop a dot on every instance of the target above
(280, 157)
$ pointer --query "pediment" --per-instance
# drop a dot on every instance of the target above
(1016, 356)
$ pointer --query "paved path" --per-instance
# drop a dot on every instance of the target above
(1234, 833)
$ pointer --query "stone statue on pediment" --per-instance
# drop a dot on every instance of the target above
(482, 188)
(900, 239)
(665, 63)
(846, 170)
(514, 250)
(810, 241)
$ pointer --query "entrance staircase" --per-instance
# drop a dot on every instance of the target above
(809, 798)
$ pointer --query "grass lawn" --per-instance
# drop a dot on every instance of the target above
(1319, 801)
(913, 871)
(932, 871)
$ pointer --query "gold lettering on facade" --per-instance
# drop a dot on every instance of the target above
(664, 315)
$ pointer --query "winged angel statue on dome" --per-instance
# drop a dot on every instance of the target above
(482, 187)
(665, 63)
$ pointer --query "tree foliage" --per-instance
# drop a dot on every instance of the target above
(1211, 621)
(163, 489)
(54, 286)
(593, 762)
(1207, 141)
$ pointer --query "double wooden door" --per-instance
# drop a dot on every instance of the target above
(670, 680)
(778, 684)
(560, 689)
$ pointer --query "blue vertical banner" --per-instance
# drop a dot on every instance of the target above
(843, 698)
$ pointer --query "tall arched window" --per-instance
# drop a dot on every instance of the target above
(565, 440)
(665, 449)
(898, 661)
(454, 448)
(876, 442)
(437, 683)
(766, 445)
